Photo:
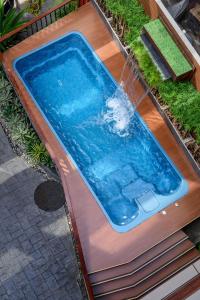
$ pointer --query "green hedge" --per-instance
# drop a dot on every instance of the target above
(182, 97)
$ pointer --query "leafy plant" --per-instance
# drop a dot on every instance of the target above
(38, 153)
(34, 7)
(17, 122)
(151, 74)
(9, 20)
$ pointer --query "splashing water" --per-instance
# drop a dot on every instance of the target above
(119, 110)
(118, 113)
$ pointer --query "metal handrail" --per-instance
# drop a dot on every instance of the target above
(38, 23)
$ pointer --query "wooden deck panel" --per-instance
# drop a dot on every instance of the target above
(139, 276)
(102, 246)
(153, 281)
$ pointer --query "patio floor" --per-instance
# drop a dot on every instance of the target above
(102, 246)
(37, 259)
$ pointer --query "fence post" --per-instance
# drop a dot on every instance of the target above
(82, 2)
(1, 56)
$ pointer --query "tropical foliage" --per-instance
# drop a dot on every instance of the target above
(18, 125)
(9, 20)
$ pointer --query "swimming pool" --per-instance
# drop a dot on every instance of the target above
(123, 165)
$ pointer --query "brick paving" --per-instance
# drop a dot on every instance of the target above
(37, 259)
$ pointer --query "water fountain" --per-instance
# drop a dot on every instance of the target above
(119, 110)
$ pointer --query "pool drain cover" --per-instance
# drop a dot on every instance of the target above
(49, 195)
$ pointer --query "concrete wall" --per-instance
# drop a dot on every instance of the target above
(155, 9)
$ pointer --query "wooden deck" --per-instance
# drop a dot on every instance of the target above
(102, 246)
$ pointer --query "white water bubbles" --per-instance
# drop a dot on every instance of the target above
(118, 113)
(119, 110)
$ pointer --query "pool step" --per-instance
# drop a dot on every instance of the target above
(141, 261)
(134, 279)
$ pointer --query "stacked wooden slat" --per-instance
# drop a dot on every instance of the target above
(135, 278)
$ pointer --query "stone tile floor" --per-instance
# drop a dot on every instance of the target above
(37, 259)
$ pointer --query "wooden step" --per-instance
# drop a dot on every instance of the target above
(141, 261)
(151, 282)
(156, 57)
(144, 273)
(157, 34)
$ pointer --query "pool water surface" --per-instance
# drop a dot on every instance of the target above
(123, 165)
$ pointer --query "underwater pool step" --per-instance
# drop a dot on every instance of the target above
(139, 276)
(141, 261)
(151, 282)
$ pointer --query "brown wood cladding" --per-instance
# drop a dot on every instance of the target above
(150, 8)
(145, 272)
(102, 246)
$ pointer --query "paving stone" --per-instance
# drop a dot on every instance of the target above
(10, 287)
(21, 280)
(27, 246)
(5, 297)
(30, 272)
(13, 227)
(52, 283)
(17, 233)
(56, 246)
(29, 293)
(37, 259)
(2, 291)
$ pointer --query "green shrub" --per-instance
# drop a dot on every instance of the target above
(21, 131)
(151, 74)
(182, 98)
(36, 150)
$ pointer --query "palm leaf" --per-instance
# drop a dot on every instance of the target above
(11, 20)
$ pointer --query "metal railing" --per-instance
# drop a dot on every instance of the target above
(38, 23)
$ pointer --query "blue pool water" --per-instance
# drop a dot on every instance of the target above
(125, 168)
